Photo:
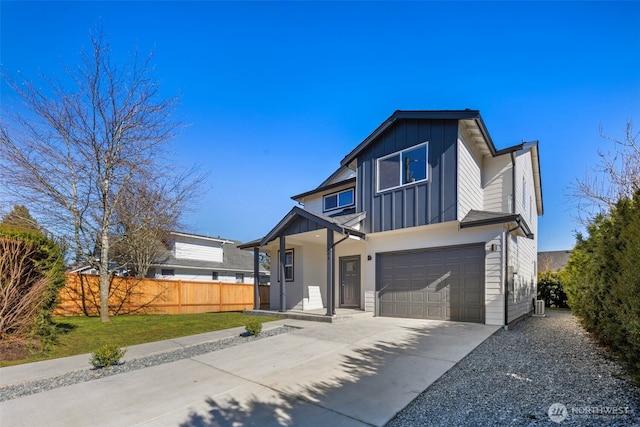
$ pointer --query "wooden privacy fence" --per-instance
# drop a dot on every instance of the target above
(128, 295)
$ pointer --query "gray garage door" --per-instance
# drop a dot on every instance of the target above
(441, 283)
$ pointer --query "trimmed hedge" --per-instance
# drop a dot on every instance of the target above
(602, 281)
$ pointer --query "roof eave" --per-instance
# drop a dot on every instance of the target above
(322, 188)
(421, 114)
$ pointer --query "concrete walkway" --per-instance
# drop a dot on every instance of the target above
(359, 372)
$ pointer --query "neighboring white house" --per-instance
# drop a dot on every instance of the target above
(425, 218)
(192, 257)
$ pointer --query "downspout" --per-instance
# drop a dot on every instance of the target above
(513, 183)
(507, 237)
(506, 280)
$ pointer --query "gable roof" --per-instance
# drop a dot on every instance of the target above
(340, 224)
(466, 114)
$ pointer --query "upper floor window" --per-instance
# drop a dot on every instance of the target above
(403, 167)
(338, 200)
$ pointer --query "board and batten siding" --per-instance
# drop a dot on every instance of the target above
(428, 202)
(201, 251)
(470, 194)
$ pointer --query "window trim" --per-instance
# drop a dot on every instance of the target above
(400, 153)
(292, 265)
(337, 194)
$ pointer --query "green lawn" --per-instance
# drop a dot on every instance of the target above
(85, 334)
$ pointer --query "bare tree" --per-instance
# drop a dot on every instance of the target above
(148, 212)
(74, 153)
(616, 176)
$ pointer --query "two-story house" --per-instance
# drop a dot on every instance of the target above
(425, 218)
(197, 258)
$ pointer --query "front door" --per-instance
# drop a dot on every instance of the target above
(350, 281)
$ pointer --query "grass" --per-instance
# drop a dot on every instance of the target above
(79, 335)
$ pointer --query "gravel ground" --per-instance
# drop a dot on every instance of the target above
(75, 377)
(515, 376)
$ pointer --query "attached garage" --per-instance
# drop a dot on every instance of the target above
(437, 283)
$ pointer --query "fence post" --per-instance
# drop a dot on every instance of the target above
(220, 299)
(180, 296)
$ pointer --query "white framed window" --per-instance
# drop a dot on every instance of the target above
(288, 265)
(402, 168)
(341, 199)
(214, 275)
(239, 277)
(168, 272)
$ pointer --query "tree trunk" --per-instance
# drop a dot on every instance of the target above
(104, 276)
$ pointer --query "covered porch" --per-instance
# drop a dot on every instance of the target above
(303, 249)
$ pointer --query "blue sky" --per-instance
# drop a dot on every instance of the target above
(275, 94)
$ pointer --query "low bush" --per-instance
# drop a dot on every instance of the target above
(107, 355)
(253, 326)
(550, 289)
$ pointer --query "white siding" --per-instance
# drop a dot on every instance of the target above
(494, 280)
(201, 250)
(197, 275)
(523, 251)
(315, 202)
(496, 182)
(470, 194)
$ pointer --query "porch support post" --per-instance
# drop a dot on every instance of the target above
(256, 278)
(330, 268)
(281, 262)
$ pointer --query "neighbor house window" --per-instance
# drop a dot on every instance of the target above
(288, 265)
(338, 200)
(214, 275)
(239, 277)
(168, 272)
(403, 168)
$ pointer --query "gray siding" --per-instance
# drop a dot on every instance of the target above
(424, 203)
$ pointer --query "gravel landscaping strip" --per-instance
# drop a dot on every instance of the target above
(75, 377)
(515, 376)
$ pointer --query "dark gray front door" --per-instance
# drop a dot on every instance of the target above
(350, 281)
(441, 283)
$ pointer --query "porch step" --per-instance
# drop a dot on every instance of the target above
(316, 316)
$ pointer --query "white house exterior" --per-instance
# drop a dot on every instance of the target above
(425, 218)
(192, 257)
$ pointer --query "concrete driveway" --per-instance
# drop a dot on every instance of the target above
(358, 372)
